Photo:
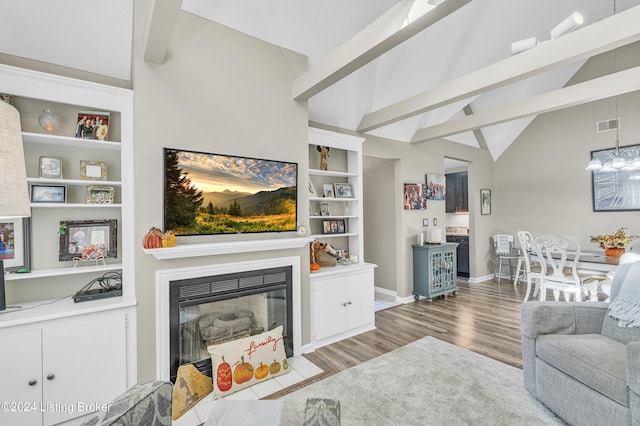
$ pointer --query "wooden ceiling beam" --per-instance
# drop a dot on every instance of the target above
(589, 91)
(160, 29)
(597, 38)
(401, 22)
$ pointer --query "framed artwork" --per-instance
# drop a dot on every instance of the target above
(436, 187)
(93, 170)
(324, 209)
(15, 243)
(344, 190)
(101, 194)
(333, 226)
(327, 190)
(92, 125)
(414, 196)
(51, 167)
(88, 239)
(615, 189)
(48, 194)
(485, 201)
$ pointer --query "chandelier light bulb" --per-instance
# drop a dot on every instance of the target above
(594, 164)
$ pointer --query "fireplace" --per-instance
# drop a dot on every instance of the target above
(202, 306)
(215, 309)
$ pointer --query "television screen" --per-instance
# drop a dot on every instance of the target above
(208, 194)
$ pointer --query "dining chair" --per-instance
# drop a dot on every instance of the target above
(561, 272)
(633, 247)
(504, 252)
(532, 270)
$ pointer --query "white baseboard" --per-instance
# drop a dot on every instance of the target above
(386, 291)
(480, 279)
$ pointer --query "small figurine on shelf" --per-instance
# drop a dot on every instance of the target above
(324, 154)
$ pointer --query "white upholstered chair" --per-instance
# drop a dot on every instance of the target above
(532, 270)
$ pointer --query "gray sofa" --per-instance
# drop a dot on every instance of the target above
(578, 361)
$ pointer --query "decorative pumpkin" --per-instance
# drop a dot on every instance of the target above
(262, 371)
(274, 367)
(314, 267)
(243, 372)
(168, 239)
(224, 376)
(152, 239)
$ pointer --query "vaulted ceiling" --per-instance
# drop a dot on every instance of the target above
(409, 70)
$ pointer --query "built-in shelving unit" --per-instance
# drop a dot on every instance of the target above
(61, 333)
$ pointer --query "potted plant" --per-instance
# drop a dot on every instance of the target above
(614, 244)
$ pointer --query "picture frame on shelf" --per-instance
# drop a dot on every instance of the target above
(92, 125)
(324, 209)
(485, 201)
(88, 239)
(343, 190)
(50, 167)
(327, 190)
(49, 194)
(93, 170)
(15, 243)
(333, 226)
(312, 189)
(100, 194)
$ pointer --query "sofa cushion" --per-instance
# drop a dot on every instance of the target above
(593, 359)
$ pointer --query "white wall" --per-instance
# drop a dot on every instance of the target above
(218, 91)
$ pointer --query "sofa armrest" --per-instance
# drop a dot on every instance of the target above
(562, 318)
(633, 366)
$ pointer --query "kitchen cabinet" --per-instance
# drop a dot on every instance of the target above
(58, 370)
(342, 302)
(434, 270)
(462, 253)
(457, 199)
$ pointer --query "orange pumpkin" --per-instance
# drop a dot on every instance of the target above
(152, 239)
(314, 267)
(274, 367)
(223, 376)
(262, 371)
(243, 372)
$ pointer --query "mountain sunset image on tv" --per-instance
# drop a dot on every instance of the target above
(208, 194)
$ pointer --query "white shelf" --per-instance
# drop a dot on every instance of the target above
(332, 199)
(339, 269)
(329, 173)
(346, 234)
(334, 217)
(73, 206)
(73, 182)
(43, 273)
(213, 249)
(29, 137)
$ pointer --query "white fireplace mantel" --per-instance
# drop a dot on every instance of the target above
(231, 247)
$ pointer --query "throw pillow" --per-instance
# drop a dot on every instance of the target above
(241, 363)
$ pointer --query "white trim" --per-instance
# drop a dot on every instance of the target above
(165, 276)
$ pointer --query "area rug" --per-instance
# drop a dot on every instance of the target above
(427, 382)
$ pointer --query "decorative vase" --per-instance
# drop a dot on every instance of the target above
(613, 251)
(49, 120)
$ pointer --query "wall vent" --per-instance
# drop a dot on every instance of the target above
(607, 125)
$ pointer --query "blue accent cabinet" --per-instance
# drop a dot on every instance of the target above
(434, 270)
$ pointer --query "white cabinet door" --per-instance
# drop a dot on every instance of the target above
(329, 302)
(361, 299)
(84, 364)
(21, 378)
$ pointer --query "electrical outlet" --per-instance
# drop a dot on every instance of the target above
(435, 221)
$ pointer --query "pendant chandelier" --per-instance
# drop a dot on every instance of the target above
(619, 159)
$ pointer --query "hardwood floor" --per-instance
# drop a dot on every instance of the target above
(482, 317)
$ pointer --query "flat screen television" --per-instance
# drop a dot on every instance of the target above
(207, 194)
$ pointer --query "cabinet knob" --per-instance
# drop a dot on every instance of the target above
(33, 382)
(51, 376)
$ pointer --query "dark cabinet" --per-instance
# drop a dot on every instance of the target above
(462, 252)
(457, 200)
